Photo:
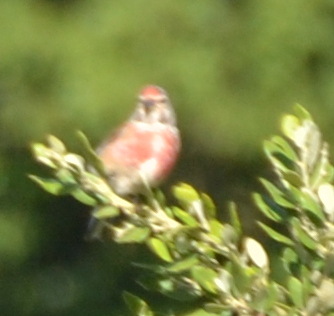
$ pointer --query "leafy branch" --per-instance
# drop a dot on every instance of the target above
(204, 258)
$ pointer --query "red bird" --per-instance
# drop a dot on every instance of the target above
(143, 151)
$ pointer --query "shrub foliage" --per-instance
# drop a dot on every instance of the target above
(200, 257)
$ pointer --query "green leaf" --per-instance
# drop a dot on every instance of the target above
(295, 288)
(285, 148)
(242, 278)
(290, 260)
(182, 243)
(235, 220)
(273, 296)
(205, 277)
(229, 236)
(209, 206)
(276, 235)
(216, 228)
(323, 171)
(181, 289)
(56, 144)
(200, 312)
(216, 308)
(131, 234)
(273, 213)
(83, 197)
(160, 197)
(302, 113)
(176, 287)
(90, 154)
(105, 212)
(184, 264)
(293, 178)
(43, 155)
(185, 217)
(160, 249)
(289, 125)
(137, 306)
(50, 185)
(302, 235)
(281, 163)
(185, 193)
(281, 155)
(308, 287)
(75, 162)
(66, 177)
(265, 298)
(311, 205)
(277, 195)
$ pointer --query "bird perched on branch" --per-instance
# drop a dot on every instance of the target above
(143, 151)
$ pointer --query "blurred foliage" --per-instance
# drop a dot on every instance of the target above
(207, 262)
(230, 67)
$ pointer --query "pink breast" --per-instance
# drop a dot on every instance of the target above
(138, 143)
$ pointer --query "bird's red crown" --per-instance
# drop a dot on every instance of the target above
(151, 91)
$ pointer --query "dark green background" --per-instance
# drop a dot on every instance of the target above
(231, 68)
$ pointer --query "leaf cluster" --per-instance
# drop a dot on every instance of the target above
(202, 258)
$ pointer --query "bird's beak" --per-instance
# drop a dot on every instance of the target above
(148, 105)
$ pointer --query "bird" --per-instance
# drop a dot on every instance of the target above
(142, 152)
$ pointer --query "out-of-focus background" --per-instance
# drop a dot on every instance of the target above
(231, 68)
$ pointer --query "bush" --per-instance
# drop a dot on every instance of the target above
(204, 260)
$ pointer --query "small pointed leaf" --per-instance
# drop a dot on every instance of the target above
(50, 185)
(209, 206)
(137, 306)
(160, 249)
(303, 236)
(205, 277)
(43, 155)
(290, 124)
(185, 193)
(285, 147)
(83, 197)
(235, 220)
(301, 112)
(56, 144)
(132, 234)
(242, 279)
(277, 195)
(75, 161)
(270, 212)
(183, 265)
(217, 309)
(185, 217)
(312, 206)
(276, 235)
(290, 259)
(295, 288)
(105, 212)
(90, 154)
(229, 235)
